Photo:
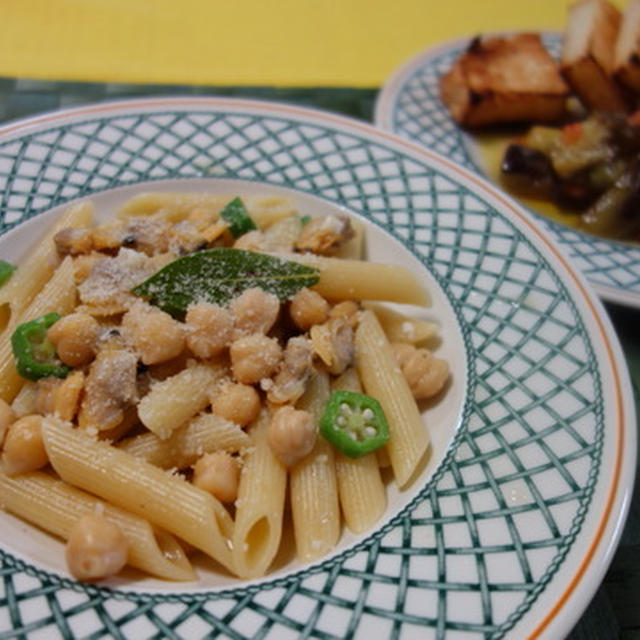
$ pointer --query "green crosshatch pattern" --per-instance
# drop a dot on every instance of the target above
(529, 418)
(419, 115)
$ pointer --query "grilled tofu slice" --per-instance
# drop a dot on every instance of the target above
(627, 55)
(504, 79)
(588, 54)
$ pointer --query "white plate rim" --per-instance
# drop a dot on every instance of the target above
(610, 525)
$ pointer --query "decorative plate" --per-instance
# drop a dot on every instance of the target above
(409, 105)
(511, 526)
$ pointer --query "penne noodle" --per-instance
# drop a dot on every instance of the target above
(171, 205)
(165, 500)
(313, 486)
(363, 497)
(362, 493)
(205, 207)
(170, 403)
(260, 505)
(203, 434)
(401, 328)
(266, 211)
(55, 507)
(59, 295)
(358, 280)
(32, 274)
(381, 378)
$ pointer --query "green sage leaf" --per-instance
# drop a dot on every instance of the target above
(219, 275)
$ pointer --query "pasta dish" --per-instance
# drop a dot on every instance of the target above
(181, 378)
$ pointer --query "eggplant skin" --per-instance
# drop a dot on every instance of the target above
(527, 172)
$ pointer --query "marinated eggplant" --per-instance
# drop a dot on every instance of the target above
(591, 167)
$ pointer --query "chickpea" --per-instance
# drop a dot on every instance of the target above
(96, 548)
(347, 309)
(210, 329)
(254, 357)
(75, 338)
(308, 308)
(23, 447)
(7, 418)
(254, 311)
(425, 374)
(239, 403)
(83, 264)
(291, 434)
(218, 474)
(156, 336)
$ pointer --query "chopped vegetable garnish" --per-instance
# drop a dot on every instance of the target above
(235, 214)
(354, 423)
(6, 270)
(35, 355)
(219, 275)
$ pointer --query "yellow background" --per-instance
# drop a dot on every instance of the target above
(244, 42)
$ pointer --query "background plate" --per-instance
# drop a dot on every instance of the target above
(513, 532)
(409, 105)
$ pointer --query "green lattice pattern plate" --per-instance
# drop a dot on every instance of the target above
(511, 527)
(410, 106)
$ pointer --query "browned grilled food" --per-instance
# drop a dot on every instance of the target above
(504, 79)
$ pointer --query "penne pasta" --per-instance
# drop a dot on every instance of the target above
(173, 206)
(381, 378)
(260, 505)
(313, 486)
(173, 401)
(399, 327)
(58, 295)
(132, 484)
(202, 434)
(358, 280)
(363, 498)
(55, 507)
(32, 274)
(204, 207)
